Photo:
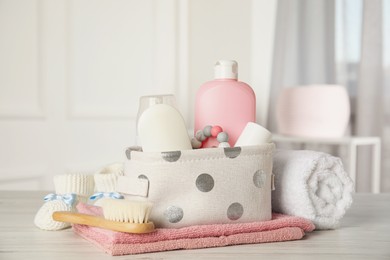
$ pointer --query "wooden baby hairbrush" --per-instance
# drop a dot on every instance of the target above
(119, 215)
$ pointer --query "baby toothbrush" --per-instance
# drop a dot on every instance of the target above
(119, 215)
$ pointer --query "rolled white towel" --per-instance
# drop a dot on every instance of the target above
(312, 185)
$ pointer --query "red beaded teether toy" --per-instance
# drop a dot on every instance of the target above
(210, 131)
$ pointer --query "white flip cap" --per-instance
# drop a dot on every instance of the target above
(226, 69)
(254, 134)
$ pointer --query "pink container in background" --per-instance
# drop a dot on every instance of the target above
(226, 102)
(313, 111)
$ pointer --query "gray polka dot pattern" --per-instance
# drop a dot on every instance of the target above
(259, 178)
(173, 214)
(235, 211)
(205, 182)
(142, 176)
(171, 156)
(211, 186)
(128, 153)
(132, 148)
(232, 152)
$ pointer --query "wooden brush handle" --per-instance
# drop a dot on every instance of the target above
(84, 219)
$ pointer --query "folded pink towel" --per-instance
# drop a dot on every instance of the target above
(280, 228)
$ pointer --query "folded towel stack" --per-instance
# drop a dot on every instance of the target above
(312, 185)
(280, 228)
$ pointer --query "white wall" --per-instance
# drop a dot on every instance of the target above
(71, 73)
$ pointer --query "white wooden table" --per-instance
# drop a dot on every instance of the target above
(364, 234)
(352, 142)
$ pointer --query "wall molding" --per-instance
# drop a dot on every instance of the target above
(38, 111)
(163, 74)
(23, 178)
(182, 58)
(262, 53)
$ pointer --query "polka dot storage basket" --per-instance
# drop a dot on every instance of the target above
(204, 186)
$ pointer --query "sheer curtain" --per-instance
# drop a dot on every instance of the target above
(339, 42)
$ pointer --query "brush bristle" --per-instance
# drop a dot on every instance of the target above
(126, 210)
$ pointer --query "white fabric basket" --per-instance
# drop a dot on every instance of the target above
(204, 186)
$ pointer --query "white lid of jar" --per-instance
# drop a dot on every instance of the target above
(226, 69)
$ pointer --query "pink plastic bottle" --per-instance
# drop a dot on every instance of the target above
(226, 102)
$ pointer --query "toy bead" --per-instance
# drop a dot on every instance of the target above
(224, 144)
(222, 137)
(207, 130)
(200, 136)
(215, 130)
(196, 144)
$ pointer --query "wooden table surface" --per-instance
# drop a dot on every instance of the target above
(364, 234)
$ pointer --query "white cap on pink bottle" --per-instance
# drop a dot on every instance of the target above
(226, 69)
